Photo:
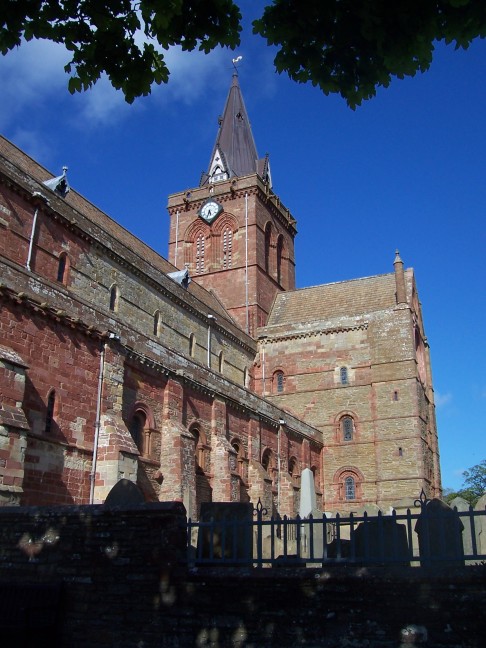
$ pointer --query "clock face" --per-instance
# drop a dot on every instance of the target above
(210, 210)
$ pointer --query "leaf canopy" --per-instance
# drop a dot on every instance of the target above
(350, 47)
(354, 46)
(117, 36)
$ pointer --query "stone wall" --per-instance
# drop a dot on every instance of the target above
(240, 197)
(102, 358)
(392, 451)
(93, 577)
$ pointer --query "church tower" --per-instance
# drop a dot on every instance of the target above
(232, 232)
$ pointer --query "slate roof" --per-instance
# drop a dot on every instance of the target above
(340, 299)
(235, 140)
(106, 227)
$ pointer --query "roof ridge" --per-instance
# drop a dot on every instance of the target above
(342, 281)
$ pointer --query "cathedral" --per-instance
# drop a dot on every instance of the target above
(207, 376)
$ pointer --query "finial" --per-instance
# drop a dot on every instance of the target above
(235, 61)
(397, 257)
(64, 169)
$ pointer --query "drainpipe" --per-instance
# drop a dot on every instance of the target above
(176, 238)
(263, 368)
(210, 318)
(246, 264)
(92, 475)
(36, 194)
(281, 422)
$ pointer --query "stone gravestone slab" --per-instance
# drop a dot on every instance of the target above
(381, 539)
(338, 550)
(462, 507)
(480, 522)
(225, 533)
(307, 493)
(312, 534)
(124, 493)
(439, 530)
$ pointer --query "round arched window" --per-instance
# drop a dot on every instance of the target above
(137, 425)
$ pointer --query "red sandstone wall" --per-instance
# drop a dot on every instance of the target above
(59, 358)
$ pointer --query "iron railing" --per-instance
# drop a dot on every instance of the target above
(430, 537)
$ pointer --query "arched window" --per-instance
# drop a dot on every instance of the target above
(267, 460)
(240, 454)
(236, 447)
(280, 242)
(420, 355)
(63, 268)
(204, 491)
(294, 469)
(347, 427)
(157, 323)
(278, 382)
(227, 252)
(114, 298)
(199, 255)
(136, 428)
(239, 464)
(221, 362)
(349, 481)
(192, 345)
(51, 403)
(349, 488)
(343, 373)
(268, 240)
(317, 477)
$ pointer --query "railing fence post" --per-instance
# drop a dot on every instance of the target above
(260, 511)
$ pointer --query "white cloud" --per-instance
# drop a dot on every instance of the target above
(100, 105)
(32, 77)
(193, 73)
(30, 74)
(442, 399)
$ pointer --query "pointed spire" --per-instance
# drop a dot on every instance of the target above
(234, 152)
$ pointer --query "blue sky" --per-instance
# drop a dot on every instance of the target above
(406, 170)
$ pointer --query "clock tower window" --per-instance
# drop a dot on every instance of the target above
(199, 256)
(268, 241)
(227, 247)
(280, 243)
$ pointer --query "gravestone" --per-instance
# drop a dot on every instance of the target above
(124, 493)
(338, 550)
(381, 539)
(439, 531)
(463, 507)
(480, 522)
(307, 493)
(312, 534)
(225, 533)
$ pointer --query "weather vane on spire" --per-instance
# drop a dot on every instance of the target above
(235, 61)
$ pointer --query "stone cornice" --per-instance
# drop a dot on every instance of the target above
(51, 311)
(268, 338)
